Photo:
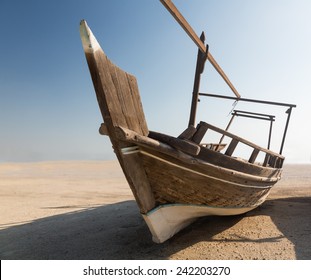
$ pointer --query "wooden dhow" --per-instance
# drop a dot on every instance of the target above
(175, 180)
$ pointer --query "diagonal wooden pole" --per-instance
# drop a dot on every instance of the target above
(169, 5)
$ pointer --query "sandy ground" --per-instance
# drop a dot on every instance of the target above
(85, 210)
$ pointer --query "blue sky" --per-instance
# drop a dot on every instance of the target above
(48, 109)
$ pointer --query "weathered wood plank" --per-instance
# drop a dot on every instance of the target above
(179, 144)
(138, 107)
(139, 182)
(273, 161)
(117, 91)
(253, 156)
(128, 99)
(188, 133)
(234, 142)
(201, 130)
(266, 160)
(167, 182)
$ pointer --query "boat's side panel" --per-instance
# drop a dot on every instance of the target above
(175, 182)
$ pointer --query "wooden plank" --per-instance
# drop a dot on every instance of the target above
(232, 163)
(201, 130)
(188, 29)
(126, 94)
(234, 142)
(266, 160)
(128, 136)
(187, 133)
(179, 144)
(138, 181)
(253, 156)
(117, 91)
(178, 187)
(138, 107)
(274, 162)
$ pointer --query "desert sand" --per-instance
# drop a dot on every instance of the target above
(85, 210)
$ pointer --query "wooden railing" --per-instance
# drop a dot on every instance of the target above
(271, 159)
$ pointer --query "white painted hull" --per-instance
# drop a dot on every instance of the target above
(166, 220)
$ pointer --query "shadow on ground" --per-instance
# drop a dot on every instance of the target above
(117, 231)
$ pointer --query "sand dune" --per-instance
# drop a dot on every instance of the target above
(85, 210)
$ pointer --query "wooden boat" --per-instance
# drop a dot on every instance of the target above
(175, 180)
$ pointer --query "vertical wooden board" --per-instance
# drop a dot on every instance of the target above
(232, 146)
(129, 101)
(188, 133)
(201, 130)
(138, 181)
(253, 156)
(266, 161)
(106, 91)
(125, 108)
(137, 104)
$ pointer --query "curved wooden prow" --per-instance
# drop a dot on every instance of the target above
(119, 102)
(117, 91)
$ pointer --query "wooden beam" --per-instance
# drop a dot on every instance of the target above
(201, 130)
(253, 156)
(234, 142)
(179, 144)
(168, 4)
(187, 133)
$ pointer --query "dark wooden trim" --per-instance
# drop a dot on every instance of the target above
(188, 133)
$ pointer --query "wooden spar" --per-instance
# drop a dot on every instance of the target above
(168, 4)
(180, 144)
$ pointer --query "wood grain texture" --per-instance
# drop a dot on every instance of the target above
(179, 144)
(181, 185)
(120, 105)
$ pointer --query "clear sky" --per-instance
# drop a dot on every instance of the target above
(48, 109)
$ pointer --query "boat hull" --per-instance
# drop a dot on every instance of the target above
(175, 181)
(167, 220)
(185, 191)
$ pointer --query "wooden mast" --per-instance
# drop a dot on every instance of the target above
(185, 25)
(197, 78)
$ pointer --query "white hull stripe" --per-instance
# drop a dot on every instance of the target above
(130, 150)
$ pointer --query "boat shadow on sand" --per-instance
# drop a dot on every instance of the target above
(117, 231)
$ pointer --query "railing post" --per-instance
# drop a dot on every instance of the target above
(270, 132)
(232, 146)
(289, 111)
